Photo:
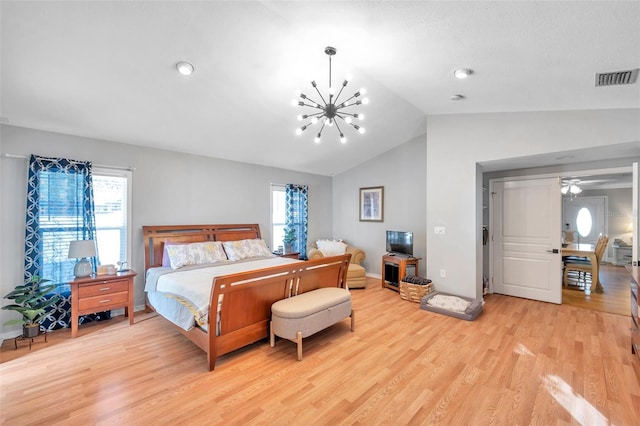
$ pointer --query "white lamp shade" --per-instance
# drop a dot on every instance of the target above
(82, 248)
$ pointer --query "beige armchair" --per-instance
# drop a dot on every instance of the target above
(356, 273)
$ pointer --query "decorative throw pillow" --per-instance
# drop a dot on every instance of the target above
(331, 247)
(195, 254)
(244, 249)
(213, 251)
(166, 263)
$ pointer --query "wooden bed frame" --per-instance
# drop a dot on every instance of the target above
(245, 309)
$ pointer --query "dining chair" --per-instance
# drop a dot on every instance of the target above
(580, 270)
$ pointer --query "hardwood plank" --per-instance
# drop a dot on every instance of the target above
(520, 362)
(615, 298)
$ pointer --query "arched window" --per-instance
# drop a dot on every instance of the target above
(584, 222)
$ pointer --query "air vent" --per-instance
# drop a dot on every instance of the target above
(616, 78)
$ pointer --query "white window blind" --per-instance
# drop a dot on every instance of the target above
(111, 199)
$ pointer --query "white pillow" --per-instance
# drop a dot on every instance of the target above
(195, 254)
(244, 249)
(331, 247)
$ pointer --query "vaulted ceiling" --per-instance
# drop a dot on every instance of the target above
(106, 69)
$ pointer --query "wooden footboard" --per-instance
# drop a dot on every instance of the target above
(246, 299)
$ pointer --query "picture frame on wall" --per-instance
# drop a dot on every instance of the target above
(372, 204)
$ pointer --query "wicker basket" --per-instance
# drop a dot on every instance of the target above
(414, 292)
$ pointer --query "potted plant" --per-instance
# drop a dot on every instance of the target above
(30, 302)
(289, 238)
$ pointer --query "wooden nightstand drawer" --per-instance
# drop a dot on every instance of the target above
(102, 288)
(97, 303)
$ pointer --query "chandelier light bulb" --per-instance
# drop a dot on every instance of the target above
(362, 91)
(365, 101)
(332, 90)
(298, 93)
(317, 138)
(342, 138)
(294, 102)
(299, 117)
(564, 189)
(314, 120)
(361, 130)
(298, 131)
(360, 116)
(574, 189)
(348, 120)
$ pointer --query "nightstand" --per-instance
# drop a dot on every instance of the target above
(101, 293)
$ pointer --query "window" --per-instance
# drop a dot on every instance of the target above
(60, 206)
(111, 190)
(584, 222)
(278, 215)
(60, 219)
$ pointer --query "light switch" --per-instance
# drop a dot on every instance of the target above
(438, 230)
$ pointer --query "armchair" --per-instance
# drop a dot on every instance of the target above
(356, 273)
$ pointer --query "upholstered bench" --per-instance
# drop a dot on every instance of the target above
(305, 314)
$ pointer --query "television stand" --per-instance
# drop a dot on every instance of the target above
(394, 269)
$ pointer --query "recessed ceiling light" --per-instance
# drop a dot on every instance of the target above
(184, 68)
(462, 72)
(457, 97)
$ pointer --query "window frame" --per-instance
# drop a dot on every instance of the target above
(128, 174)
(275, 187)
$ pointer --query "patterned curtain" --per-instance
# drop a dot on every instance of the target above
(60, 209)
(297, 215)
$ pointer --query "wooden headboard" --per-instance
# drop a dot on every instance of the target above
(154, 237)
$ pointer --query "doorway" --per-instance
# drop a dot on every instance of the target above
(585, 217)
(608, 215)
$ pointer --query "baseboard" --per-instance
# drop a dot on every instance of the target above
(15, 333)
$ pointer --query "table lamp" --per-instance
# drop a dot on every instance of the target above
(81, 249)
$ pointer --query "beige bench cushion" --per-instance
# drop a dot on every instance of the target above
(309, 303)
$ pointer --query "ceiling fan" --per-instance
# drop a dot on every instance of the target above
(570, 187)
(600, 181)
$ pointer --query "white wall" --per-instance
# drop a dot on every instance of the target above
(402, 172)
(456, 143)
(618, 215)
(168, 188)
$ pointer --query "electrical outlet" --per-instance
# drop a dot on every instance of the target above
(443, 273)
(438, 230)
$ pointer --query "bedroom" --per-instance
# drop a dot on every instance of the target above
(429, 162)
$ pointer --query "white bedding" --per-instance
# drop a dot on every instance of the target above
(182, 296)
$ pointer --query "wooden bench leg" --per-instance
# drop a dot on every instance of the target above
(272, 337)
(353, 321)
(299, 342)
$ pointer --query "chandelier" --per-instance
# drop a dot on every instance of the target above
(328, 112)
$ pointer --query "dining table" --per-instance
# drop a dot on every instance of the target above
(588, 251)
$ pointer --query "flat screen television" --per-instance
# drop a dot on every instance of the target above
(400, 243)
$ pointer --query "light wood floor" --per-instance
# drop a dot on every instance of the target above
(520, 362)
(616, 298)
